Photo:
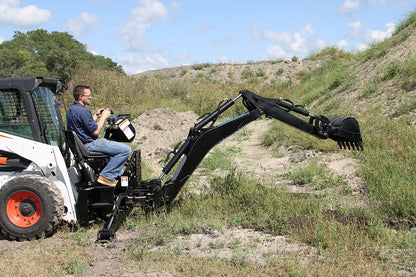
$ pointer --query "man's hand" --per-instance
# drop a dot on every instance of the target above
(102, 113)
(106, 113)
(99, 112)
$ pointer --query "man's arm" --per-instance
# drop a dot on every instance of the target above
(102, 117)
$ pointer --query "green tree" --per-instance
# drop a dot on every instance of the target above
(55, 54)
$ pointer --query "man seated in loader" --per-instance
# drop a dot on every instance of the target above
(88, 126)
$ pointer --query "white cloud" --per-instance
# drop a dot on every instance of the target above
(81, 25)
(378, 35)
(28, 16)
(348, 6)
(361, 46)
(307, 30)
(1, 40)
(356, 29)
(288, 44)
(277, 52)
(224, 59)
(141, 18)
(134, 64)
(372, 36)
(342, 44)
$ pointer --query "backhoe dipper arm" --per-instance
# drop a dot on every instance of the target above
(344, 130)
(205, 135)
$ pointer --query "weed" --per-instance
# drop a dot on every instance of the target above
(392, 71)
(280, 71)
(260, 72)
(370, 90)
(248, 73)
(157, 127)
(183, 72)
(234, 149)
(307, 174)
(201, 66)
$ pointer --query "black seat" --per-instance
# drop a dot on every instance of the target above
(78, 149)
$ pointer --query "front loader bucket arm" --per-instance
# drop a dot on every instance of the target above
(344, 130)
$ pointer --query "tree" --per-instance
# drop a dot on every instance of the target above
(56, 54)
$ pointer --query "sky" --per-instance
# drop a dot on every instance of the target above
(144, 35)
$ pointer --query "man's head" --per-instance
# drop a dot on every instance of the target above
(82, 94)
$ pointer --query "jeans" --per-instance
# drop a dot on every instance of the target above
(118, 152)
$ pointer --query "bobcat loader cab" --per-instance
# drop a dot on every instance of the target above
(47, 176)
(36, 192)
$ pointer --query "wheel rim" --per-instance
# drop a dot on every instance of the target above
(24, 209)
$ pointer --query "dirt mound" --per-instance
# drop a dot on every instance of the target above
(158, 131)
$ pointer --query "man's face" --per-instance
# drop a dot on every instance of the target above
(86, 97)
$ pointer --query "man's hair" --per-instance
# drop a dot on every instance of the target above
(78, 91)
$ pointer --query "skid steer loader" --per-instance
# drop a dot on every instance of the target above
(47, 176)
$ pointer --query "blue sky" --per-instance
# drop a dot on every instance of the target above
(142, 35)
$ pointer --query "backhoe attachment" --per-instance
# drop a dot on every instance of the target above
(205, 134)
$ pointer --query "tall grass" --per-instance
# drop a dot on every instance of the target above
(388, 166)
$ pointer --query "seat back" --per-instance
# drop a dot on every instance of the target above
(78, 149)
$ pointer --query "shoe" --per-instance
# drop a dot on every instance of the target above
(107, 182)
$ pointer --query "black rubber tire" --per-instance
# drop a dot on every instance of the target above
(47, 212)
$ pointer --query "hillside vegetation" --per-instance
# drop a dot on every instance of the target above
(304, 234)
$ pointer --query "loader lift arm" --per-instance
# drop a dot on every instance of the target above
(204, 135)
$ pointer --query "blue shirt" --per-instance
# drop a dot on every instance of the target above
(80, 120)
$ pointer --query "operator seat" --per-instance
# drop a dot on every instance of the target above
(79, 150)
(90, 162)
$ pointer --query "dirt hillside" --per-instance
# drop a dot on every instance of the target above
(268, 71)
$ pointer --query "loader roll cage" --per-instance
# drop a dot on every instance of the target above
(29, 108)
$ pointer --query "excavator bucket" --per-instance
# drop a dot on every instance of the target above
(346, 131)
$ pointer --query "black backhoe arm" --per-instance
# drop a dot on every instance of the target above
(204, 135)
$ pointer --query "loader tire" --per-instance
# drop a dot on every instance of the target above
(31, 207)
